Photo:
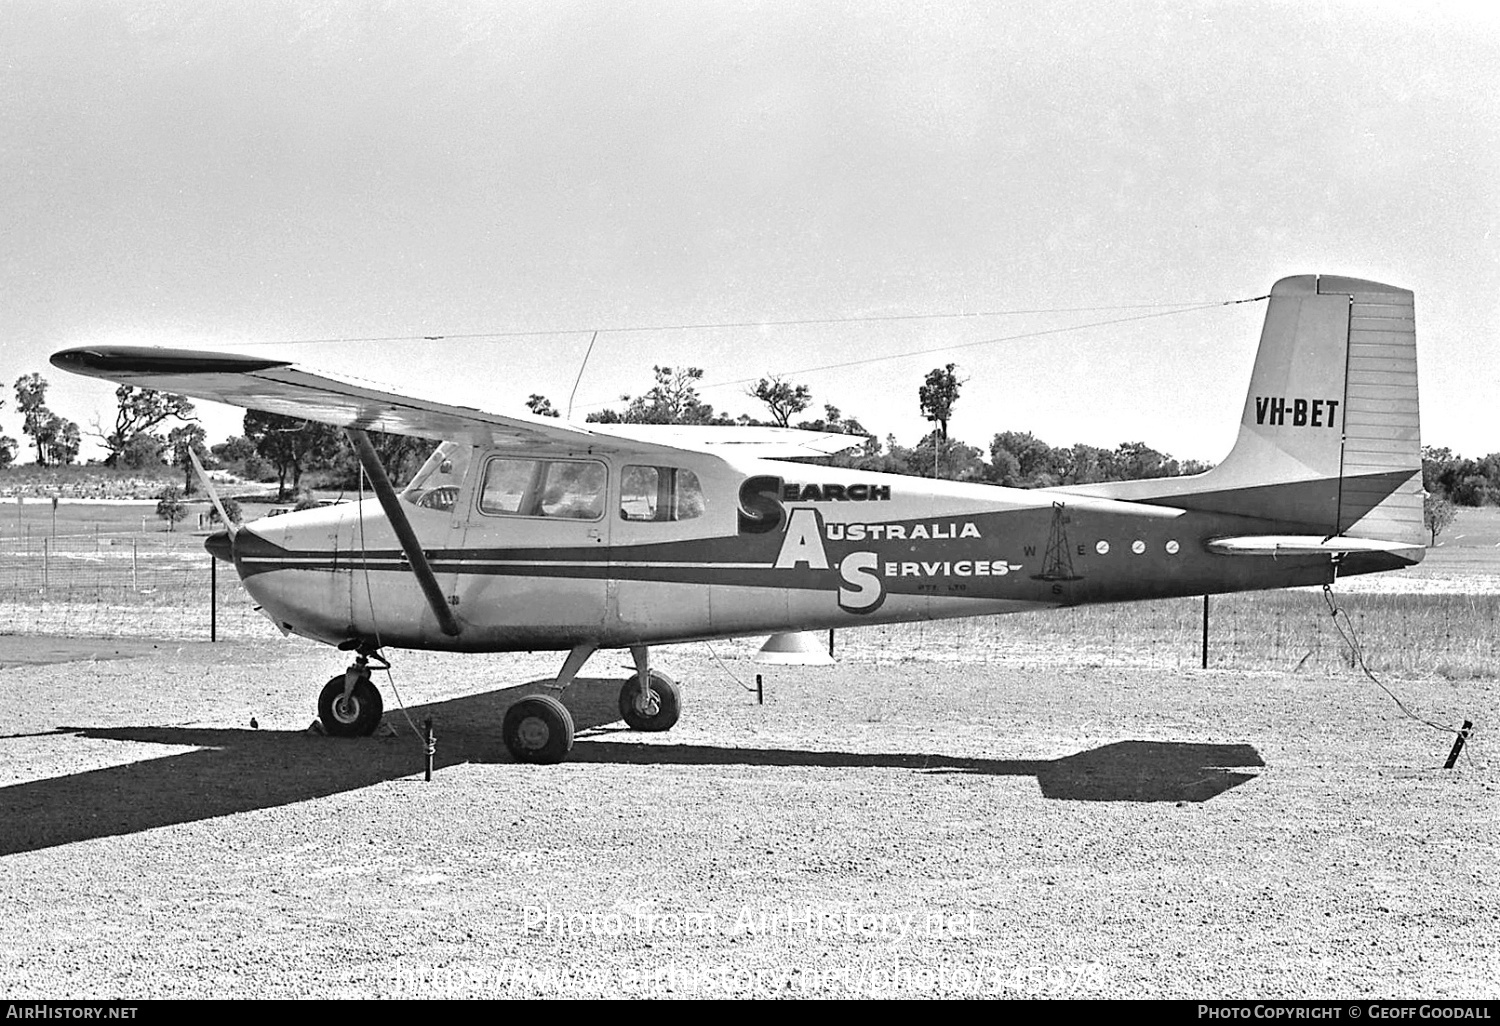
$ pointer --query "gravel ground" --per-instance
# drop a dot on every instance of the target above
(882, 827)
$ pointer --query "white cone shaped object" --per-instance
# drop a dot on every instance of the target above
(795, 648)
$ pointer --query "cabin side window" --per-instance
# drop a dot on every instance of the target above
(561, 489)
(660, 494)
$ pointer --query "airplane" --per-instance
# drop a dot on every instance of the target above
(525, 533)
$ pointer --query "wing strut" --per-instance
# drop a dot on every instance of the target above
(409, 544)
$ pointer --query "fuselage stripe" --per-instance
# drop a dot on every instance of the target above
(388, 562)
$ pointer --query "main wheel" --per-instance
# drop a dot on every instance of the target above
(355, 716)
(667, 699)
(538, 729)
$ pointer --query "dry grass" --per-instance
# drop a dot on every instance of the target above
(1407, 635)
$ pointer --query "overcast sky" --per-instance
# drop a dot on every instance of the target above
(227, 174)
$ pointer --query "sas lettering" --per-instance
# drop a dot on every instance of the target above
(932, 530)
(949, 568)
(861, 590)
(763, 497)
(835, 493)
(803, 542)
(1278, 411)
(761, 511)
(862, 574)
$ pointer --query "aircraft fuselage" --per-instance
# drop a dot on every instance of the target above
(627, 552)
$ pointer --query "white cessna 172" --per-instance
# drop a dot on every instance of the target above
(525, 533)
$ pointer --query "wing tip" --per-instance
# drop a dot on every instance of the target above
(99, 361)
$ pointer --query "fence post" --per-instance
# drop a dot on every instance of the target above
(1205, 632)
(135, 581)
(213, 599)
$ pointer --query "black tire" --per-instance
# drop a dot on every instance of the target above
(358, 717)
(668, 704)
(538, 729)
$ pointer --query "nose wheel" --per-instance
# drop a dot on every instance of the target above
(349, 705)
(655, 709)
(353, 714)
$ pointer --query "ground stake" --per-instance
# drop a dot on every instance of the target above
(1458, 744)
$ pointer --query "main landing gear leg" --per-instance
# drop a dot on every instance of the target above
(350, 706)
(539, 728)
(574, 663)
(650, 700)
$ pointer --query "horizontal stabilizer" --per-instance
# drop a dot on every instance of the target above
(1308, 545)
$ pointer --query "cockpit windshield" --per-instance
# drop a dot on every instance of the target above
(435, 486)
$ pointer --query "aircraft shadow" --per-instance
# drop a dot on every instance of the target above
(235, 770)
(1125, 771)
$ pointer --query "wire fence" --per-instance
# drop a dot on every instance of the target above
(95, 583)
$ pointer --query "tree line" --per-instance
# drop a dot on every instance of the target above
(1451, 480)
(133, 443)
(1016, 459)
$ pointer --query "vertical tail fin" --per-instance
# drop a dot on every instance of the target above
(1329, 440)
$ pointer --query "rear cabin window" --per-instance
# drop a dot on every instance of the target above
(660, 494)
(561, 489)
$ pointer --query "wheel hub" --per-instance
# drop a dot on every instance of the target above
(533, 733)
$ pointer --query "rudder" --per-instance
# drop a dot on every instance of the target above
(1382, 431)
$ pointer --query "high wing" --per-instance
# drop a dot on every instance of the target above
(293, 390)
(767, 443)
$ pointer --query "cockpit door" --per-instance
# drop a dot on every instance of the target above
(535, 551)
